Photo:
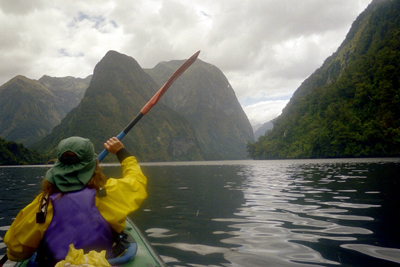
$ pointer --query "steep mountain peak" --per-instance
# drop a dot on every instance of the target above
(119, 74)
(114, 59)
(205, 98)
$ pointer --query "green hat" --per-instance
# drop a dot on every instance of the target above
(73, 173)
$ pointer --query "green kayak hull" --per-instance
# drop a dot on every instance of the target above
(145, 256)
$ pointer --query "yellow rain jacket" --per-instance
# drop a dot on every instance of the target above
(124, 196)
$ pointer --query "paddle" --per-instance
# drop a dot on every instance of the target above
(153, 100)
(3, 260)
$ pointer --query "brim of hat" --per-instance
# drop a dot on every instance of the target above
(71, 177)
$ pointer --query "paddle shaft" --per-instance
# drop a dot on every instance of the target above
(121, 135)
(153, 100)
(3, 260)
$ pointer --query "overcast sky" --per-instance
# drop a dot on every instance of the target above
(266, 48)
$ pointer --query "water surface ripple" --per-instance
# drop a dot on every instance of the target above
(284, 213)
(341, 212)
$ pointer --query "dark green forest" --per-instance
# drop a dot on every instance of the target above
(12, 153)
(350, 107)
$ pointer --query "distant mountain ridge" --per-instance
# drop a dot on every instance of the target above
(118, 90)
(30, 109)
(263, 129)
(350, 106)
(68, 90)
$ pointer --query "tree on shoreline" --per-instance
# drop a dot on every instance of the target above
(12, 153)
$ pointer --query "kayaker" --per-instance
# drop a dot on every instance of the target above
(85, 208)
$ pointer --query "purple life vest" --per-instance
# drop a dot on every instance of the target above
(76, 220)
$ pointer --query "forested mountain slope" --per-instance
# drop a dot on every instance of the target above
(31, 108)
(350, 107)
(205, 98)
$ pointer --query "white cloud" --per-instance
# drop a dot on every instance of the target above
(264, 111)
(266, 48)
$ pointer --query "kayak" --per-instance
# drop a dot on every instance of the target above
(139, 253)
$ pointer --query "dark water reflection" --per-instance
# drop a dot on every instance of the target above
(258, 213)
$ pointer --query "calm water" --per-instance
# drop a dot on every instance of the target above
(256, 213)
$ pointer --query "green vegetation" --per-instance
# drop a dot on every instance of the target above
(30, 109)
(350, 107)
(204, 97)
(12, 153)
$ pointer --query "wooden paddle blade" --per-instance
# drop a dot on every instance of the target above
(170, 81)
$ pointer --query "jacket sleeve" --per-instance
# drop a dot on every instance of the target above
(24, 235)
(124, 195)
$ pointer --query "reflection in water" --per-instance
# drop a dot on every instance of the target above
(275, 213)
(257, 213)
(377, 252)
(301, 214)
(275, 218)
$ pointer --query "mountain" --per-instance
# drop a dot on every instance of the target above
(263, 129)
(68, 90)
(204, 97)
(120, 88)
(350, 106)
(30, 109)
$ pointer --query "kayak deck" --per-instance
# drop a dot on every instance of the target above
(145, 255)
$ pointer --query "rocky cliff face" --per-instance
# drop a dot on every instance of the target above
(68, 90)
(205, 98)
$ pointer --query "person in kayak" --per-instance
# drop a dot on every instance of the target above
(85, 208)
